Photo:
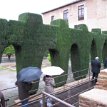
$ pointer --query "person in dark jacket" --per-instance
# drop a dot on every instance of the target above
(23, 89)
(105, 63)
(2, 100)
(95, 68)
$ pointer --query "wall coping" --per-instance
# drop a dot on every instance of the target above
(96, 95)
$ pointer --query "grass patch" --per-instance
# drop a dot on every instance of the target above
(2, 68)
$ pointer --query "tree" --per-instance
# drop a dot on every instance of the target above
(9, 51)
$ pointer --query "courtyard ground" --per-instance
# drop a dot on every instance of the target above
(8, 78)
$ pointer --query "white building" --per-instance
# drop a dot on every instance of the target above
(93, 13)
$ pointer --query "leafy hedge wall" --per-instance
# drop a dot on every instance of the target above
(32, 39)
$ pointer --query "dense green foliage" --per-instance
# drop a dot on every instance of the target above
(32, 39)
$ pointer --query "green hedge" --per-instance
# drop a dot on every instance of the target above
(32, 39)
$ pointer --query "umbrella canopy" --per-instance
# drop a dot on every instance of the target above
(29, 74)
(52, 70)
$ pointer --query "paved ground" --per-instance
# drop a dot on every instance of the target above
(7, 81)
(8, 78)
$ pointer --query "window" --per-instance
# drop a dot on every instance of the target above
(52, 18)
(65, 15)
(81, 12)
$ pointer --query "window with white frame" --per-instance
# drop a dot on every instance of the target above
(81, 12)
(65, 15)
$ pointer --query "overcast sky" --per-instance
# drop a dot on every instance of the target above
(11, 9)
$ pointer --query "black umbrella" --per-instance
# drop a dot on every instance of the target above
(29, 74)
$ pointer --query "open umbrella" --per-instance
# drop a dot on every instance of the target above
(52, 70)
(29, 74)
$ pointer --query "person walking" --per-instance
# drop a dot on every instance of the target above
(49, 88)
(2, 100)
(105, 63)
(95, 68)
(49, 84)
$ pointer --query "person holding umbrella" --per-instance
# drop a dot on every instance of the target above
(49, 88)
(23, 89)
(25, 77)
(49, 82)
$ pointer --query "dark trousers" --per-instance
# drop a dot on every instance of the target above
(95, 76)
(25, 103)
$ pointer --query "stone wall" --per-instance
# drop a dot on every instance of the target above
(96, 97)
(102, 80)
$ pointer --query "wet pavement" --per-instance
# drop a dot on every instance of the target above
(8, 73)
(8, 78)
(7, 81)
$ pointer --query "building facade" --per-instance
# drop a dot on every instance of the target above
(93, 13)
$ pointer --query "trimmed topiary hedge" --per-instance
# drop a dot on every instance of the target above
(32, 39)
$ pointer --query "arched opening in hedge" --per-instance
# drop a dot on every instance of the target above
(8, 65)
(104, 51)
(46, 61)
(70, 73)
(55, 60)
(75, 61)
(93, 50)
(8, 54)
(54, 56)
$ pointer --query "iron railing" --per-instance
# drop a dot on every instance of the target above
(78, 82)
